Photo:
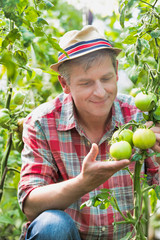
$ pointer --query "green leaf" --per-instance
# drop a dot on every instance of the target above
(11, 37)
(21, 5)
(145, 43)
(127, 237)
(153, 153)
(31, 14)
(146, 116)
(6, 220)
(153, 199)
(157, 191)
(97, 203)
(20, 57)
(38, 31)
(48, 4)
(55, 45)
(45, 4)
(122, 16)
(130, 39)
(136, 157)
(155, 33)
(113, 202)
(138, 46)
(41, 21)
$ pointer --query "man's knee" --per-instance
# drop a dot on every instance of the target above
(53, 224)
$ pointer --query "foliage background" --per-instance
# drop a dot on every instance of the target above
(30, 30)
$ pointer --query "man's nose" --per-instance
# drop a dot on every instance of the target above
(99, 89)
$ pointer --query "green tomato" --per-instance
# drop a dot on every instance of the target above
(4, 117)
(124, 135)
(145, 102)
(144, 138)
(18, 98)
(121, 150)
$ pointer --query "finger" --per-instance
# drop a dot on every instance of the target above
(156, 129)
(157, 137)
(115, 166)
(149, 124)
(91, 156)
(156, 147)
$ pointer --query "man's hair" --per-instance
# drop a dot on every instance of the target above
(86, 61)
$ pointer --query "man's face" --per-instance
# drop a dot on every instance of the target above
(93, 91)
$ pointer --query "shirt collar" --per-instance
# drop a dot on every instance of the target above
(67, 119)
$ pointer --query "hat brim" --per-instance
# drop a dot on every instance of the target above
(55, 66)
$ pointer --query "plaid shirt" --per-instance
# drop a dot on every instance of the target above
(54, 149)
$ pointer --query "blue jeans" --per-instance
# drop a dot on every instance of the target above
(53, 225)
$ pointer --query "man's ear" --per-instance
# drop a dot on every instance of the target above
(64, 84)
(117, 70)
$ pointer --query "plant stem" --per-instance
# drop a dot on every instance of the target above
(9, 94)
(138, 195)
(146, 3)
(146, 213)
(4, 164)
(2, 182)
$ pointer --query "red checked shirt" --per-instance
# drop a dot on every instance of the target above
(54, 149)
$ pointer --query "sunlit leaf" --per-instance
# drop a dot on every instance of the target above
(31, 14)
(155, 33)
(157, 190)
(6, 220)
(11, 37)
(20, 57)
(153, 199)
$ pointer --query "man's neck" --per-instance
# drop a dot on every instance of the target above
(94, 128)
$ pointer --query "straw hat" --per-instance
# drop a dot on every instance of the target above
(77, 43)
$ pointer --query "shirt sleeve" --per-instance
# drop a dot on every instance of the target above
(38, 166)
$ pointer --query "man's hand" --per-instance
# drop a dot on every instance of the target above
(94, 173)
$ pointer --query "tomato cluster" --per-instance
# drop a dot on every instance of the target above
(124, 140)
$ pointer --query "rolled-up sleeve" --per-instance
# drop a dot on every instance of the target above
(38, 166)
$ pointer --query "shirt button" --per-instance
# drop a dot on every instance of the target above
(103, 229)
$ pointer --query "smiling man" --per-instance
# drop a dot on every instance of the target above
(66, 143)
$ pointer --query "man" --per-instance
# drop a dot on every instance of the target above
(66, 143)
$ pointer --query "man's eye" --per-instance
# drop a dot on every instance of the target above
(106, 79)
(84, 83)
